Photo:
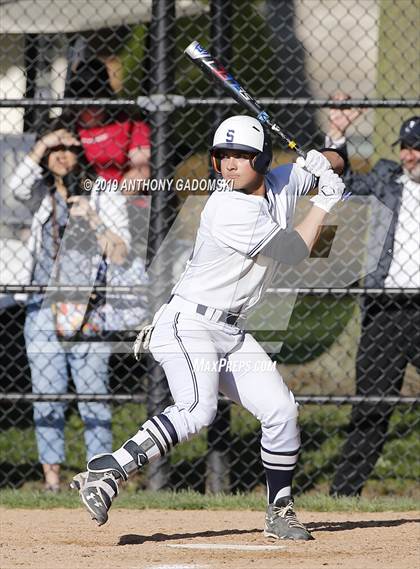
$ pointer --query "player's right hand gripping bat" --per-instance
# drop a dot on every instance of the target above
(212, 67)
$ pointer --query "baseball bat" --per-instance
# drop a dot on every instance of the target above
(203, 59)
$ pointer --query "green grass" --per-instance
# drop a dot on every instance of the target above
(323, 432)
(188, 500)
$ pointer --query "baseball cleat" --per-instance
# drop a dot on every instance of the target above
(97, 491)
(281, 521)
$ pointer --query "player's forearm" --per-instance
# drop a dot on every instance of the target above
(336, 160)
(292, 247)
(310, 227)
(286, 247)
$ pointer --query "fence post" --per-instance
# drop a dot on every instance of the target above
(218, 460)
(163, 203)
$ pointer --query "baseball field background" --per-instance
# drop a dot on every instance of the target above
(294, 56)
(190, 531)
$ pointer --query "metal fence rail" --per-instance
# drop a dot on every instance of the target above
(181, 102)
(141, 398)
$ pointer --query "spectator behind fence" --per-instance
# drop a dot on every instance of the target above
(117, 147)
(70, 236)
(390, 335)
(115, 144)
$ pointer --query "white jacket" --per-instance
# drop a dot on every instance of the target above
(110, 206)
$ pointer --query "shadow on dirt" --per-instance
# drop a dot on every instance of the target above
(344, 526)
(134, 539)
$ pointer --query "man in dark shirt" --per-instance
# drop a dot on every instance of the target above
(390, 335)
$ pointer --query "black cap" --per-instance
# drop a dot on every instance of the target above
(410, 133)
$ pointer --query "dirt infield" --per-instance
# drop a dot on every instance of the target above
(68, 539)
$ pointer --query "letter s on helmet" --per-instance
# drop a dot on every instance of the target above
(245, 134)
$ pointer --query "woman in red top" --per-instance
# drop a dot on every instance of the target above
(116, 150)
(115, 145)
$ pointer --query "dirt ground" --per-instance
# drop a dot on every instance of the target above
(68, 539)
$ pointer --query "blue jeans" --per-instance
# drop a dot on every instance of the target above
(49, 363)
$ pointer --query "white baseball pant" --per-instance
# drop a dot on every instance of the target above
(201, 357)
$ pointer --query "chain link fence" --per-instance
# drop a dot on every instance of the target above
(99, 92)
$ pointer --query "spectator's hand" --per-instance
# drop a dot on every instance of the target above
(61, 137)
(139, 170)
(341, 119)
(80, 207)
(330, 191)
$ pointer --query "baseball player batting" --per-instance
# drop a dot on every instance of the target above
(245, 233)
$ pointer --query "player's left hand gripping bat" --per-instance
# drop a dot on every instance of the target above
(212, 67)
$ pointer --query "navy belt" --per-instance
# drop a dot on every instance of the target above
(214, 314)
(217, 315)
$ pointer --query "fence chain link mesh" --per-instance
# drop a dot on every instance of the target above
(109, 79)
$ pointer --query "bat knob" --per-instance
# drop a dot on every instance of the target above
(195, 50)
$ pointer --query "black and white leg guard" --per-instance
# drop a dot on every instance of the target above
(154, 439)
(100, 484)
(101, 463)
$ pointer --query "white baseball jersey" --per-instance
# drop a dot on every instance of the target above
(226, 270)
